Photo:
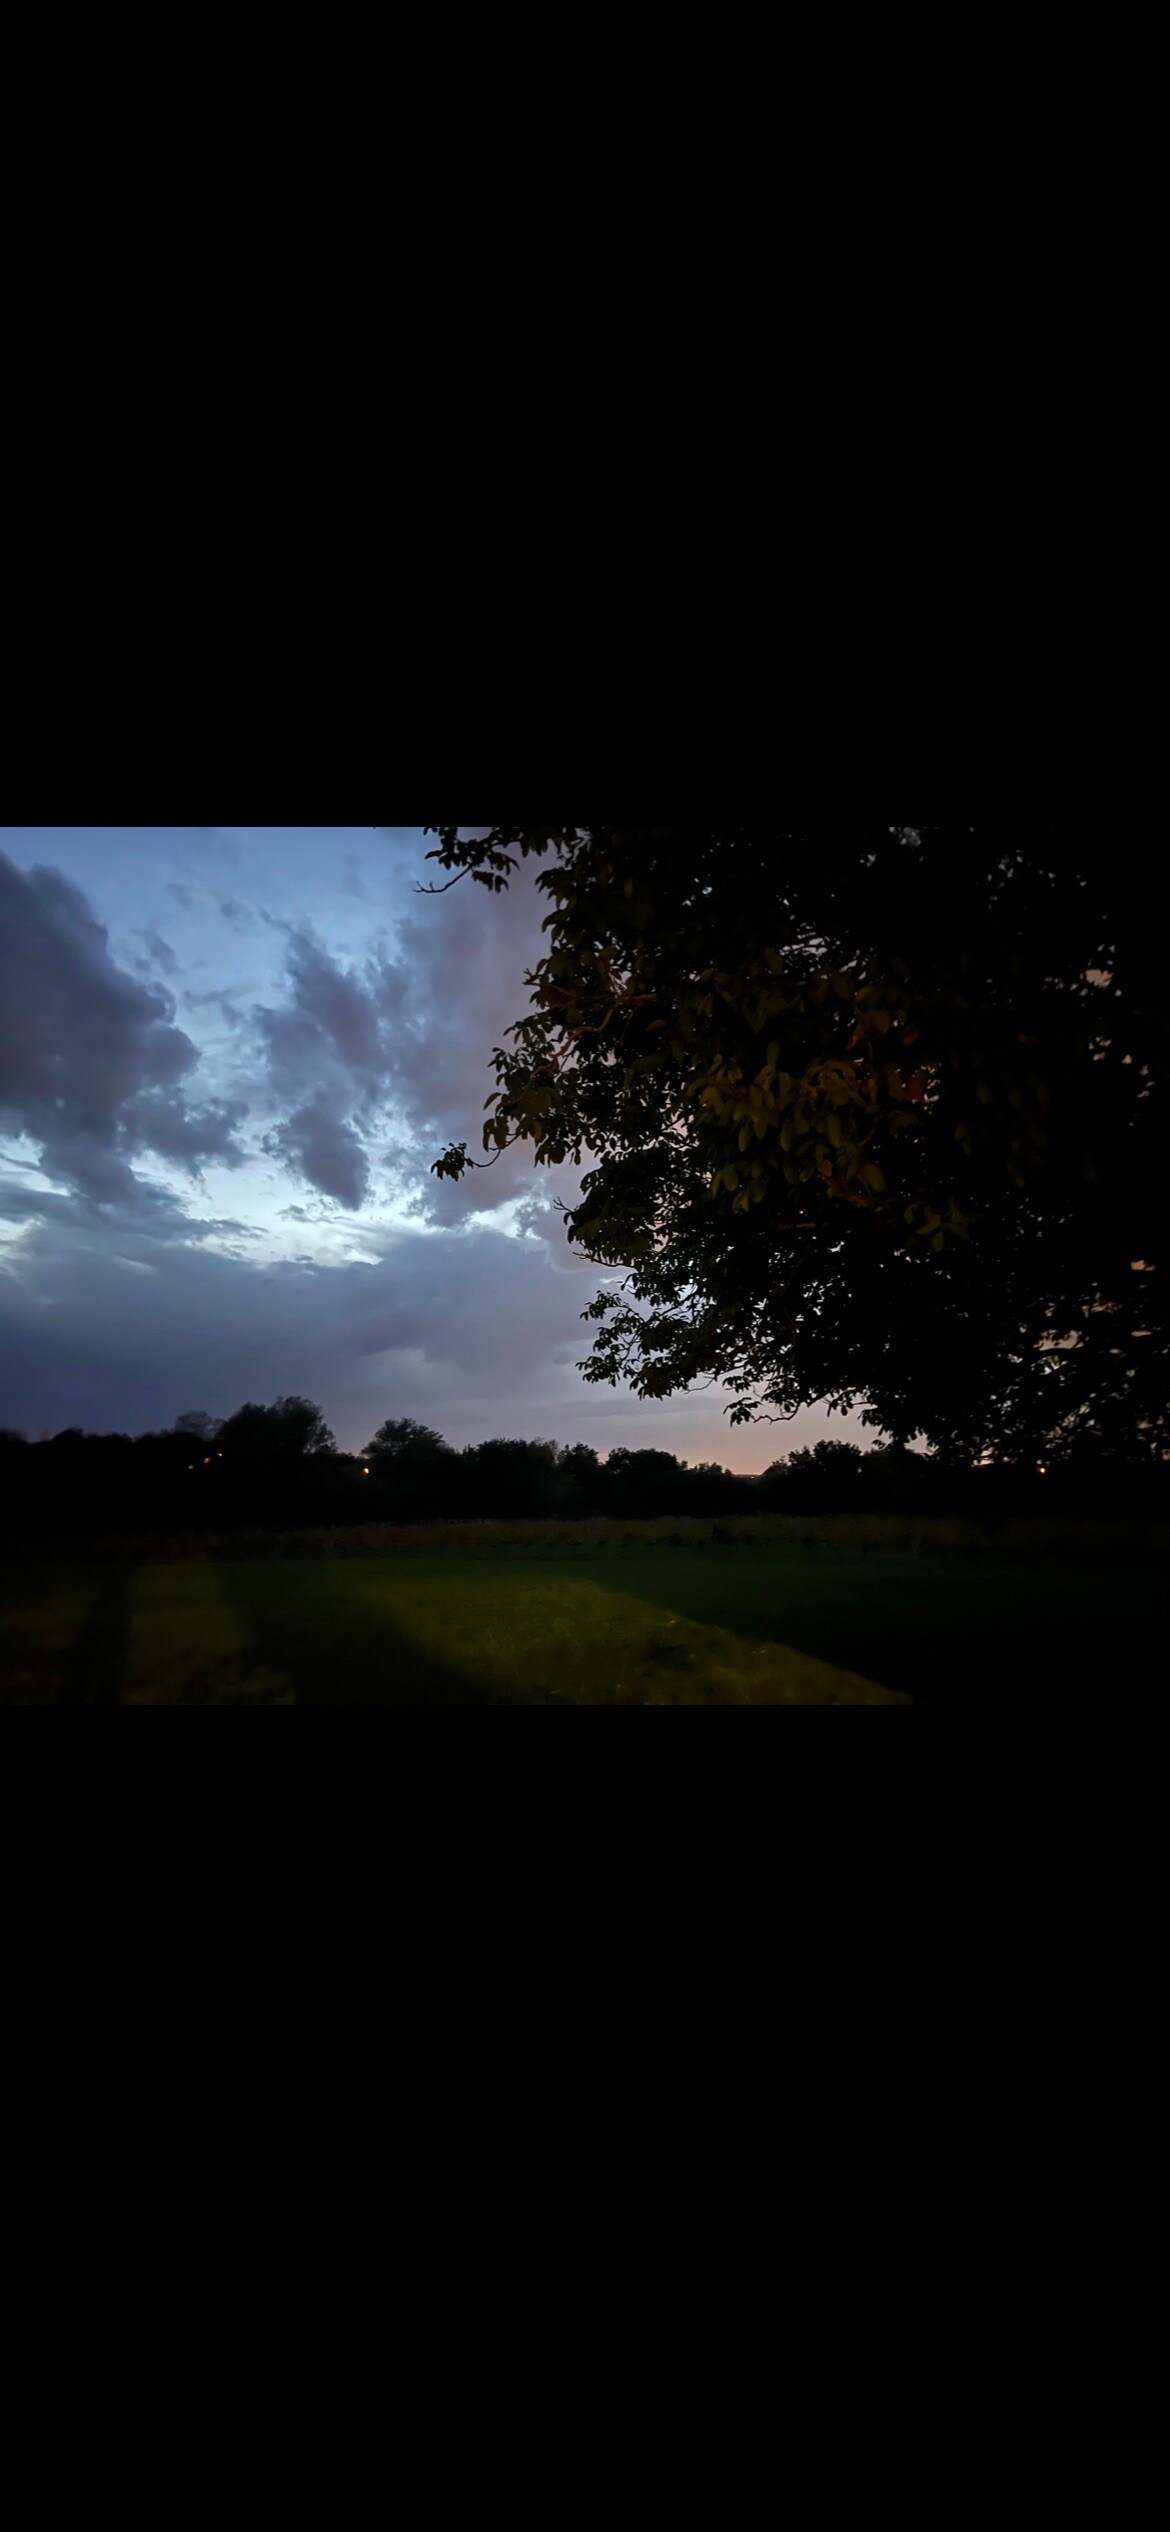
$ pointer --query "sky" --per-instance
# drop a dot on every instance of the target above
(228, 1057)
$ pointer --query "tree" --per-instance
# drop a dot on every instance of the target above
(511, 1480)
(197, 1425)
(871, 1115)
(584, 1476)
(287, 1432)
(401, 1444)
(828, 1478)
(414, 1468)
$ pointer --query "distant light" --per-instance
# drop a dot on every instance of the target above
(365, 1472)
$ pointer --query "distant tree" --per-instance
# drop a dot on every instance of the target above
(829, 1477)
(511, 1480)
(871, 1114)
(401, 1443)
(197, 1424)
(583, 1477)
(645, 1484)
(291, 1429)
(415, 1471)
(17, 1462)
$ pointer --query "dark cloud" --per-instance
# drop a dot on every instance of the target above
(161, 1122)
(161, 952)
(325, 1149)
(471, 1331)
(325, 1052)
(338, 1010)
(144, 1212)
(90, 1059)
(436, 1323)
(398, 1046)
(226, 1000)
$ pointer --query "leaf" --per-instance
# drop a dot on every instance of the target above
(874, 1177)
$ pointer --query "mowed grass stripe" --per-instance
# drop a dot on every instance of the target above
(374, 1633)
(43, 1613)
(188, 1646)
(309, 1621)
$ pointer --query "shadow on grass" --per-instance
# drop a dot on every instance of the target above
(96, 1666)
(334, 1644)
(939, 1629)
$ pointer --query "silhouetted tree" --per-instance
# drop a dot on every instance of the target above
(583, 1478)
(197, 1426)
(281, 1472)
(875, 1116)
(414, 1471)
(510, 1481)
(291, 1429)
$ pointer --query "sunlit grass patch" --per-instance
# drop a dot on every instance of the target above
(568, 1641)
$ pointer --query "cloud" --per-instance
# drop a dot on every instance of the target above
(429, 1321)
(323, 1055)
(361, 1052)
(396, 1048)
(161, 1122)
(90, 1058)
(326, 1150)
(225, 999)
(160, 951)
(468, 1330)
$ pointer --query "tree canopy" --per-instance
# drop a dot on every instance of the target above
(291, 1429)
(869, 1114)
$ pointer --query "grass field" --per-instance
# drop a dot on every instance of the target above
(764, 1612)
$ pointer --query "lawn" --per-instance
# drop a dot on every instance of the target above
(694, 1614)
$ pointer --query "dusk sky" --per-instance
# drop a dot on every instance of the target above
(228, 1056)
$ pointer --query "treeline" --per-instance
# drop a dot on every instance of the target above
(278, 1467)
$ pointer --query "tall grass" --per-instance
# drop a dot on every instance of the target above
(1059, 1541)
